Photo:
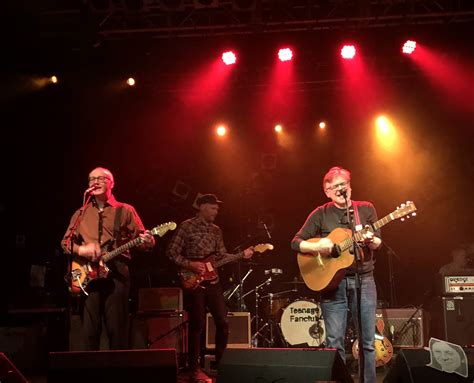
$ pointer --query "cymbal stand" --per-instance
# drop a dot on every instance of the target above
(254, 339)
(239, 287)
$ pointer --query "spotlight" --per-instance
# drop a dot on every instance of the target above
(54, 79)
(221, 130)
(131, 81)
(278, 128)
(229, 58)
(322, 125)
(409, 47)
(348, 52)
(285, 54)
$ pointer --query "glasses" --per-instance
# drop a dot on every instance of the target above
(100, 179)
(341, 185)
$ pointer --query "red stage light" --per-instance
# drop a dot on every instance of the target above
(229, 58)
(348, 52)
(285, 54)
(409, 47)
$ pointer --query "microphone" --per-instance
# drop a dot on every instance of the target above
(91, 189)
(343, 193)
(266, 229)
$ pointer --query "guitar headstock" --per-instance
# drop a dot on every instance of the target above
(260, 248)
(162, 229)
(405, 210)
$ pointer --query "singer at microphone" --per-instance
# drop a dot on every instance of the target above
(91, 189)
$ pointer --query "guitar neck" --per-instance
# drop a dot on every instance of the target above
(348, 242)
(119, 250)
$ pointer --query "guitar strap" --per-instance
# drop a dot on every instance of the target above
(118, 216)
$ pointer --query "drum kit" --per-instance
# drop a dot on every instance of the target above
(284, 318)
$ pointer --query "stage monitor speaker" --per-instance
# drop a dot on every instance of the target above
(120, 366)
(409, 326)
(410, 366)
(282, 365)
(458, 312)
(8, 372)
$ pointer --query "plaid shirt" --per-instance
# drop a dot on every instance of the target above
(195, 239)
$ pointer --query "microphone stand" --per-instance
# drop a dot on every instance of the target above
(70, 244)
(358, 284)
(391, 275)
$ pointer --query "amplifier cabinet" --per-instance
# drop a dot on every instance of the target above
(458, 323)
(160, 299)
(405, 327)
(239, 330)
(161, 331)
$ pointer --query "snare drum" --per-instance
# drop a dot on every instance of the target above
(302, 322)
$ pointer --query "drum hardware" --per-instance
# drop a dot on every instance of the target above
(274, 272)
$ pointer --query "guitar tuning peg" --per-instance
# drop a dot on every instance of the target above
(403, 219)
(403, 205)
(413, 214)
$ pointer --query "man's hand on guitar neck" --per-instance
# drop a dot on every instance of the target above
(369, 239)
(90, 251)
(322, 247)
(249, 252)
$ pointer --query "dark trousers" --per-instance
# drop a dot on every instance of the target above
(197, 301)
(107, 303)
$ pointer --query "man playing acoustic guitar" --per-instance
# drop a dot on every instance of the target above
(315, 241)
(194, 241)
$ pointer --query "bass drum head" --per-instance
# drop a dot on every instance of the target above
(302, 322)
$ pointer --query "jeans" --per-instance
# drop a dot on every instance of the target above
(335, 305)
(212, 297)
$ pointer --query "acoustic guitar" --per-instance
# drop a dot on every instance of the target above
(191, 280)
(326, 272)
(84, 272)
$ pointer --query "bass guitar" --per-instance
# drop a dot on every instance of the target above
(191, 280)
(325, 273)
(84, 271)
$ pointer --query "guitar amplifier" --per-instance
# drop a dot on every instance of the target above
(239, 330)
(405, 327)
(458, 284)
(160, 299)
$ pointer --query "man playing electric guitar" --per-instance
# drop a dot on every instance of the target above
(193, 242)
(336, 302)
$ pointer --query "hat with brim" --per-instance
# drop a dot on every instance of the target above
(208, 198)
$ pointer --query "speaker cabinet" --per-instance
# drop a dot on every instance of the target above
(409, 326)
(458, 314)
(239, 330)
(160, 299)
(8, 372)
(411, 367)
(282, 365)
(113, 366)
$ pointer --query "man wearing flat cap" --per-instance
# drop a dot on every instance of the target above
(195, 240)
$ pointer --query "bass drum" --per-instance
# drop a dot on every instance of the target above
(302, 322)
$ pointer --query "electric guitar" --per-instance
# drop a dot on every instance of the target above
(383, 346)
(325, 273)
(191, 280)
(84, 272)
